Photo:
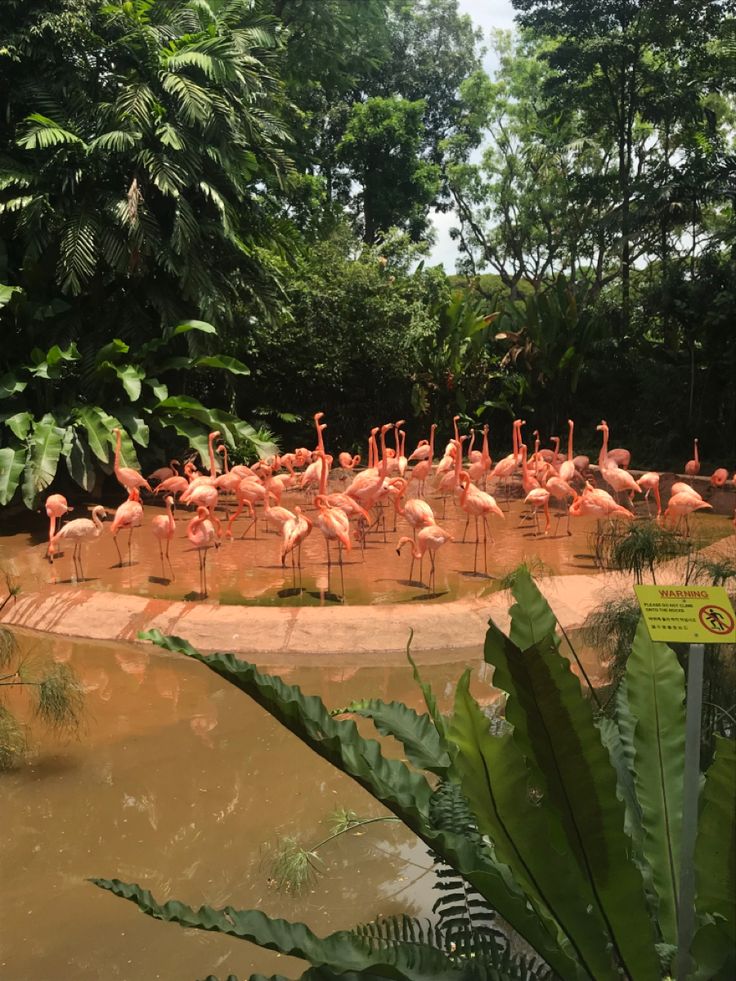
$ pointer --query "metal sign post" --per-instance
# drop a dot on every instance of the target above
(693, 615)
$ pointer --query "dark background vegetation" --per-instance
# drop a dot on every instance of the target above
(265, 174)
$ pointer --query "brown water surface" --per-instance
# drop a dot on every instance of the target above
(249, 572)
(181, 783)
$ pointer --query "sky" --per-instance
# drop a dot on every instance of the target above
(486, 14)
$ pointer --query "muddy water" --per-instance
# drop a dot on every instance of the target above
(181, 783)
(248, 571)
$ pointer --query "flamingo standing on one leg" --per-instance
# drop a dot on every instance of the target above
(127, 476)
(78, 531)
(56, 507)
(163, 527)
(429, 539)
(129, 515)
(201, 533)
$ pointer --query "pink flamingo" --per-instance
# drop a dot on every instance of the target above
(348, 462)
(481, 465)
(176, 485)
(567, 470)
(203, 536)
(560, 491)
(597, 503)
(206, 479)
(163, 527)
(619, 456)
(478, 504)
(127, 476)
(681, 506)
(334, 525)
(163, 473)
(538, 497)
(423, 468)
(719, 477)
(293, 533)
(56, 507)
(78, 531)
(507, 467)
(430, 539)
(649, 483)
(129, 515)
(692, 467)
(680, 487)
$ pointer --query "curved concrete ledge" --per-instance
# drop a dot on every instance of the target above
(317, 635)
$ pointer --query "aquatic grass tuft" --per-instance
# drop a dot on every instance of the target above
(13, 742)
(637, 547)
(8, 647)
(60, 698)
(294, 868)
(532, 565)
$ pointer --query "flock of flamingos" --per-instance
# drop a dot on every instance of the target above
(546, 477)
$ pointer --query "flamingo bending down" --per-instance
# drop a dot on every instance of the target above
(682, 506)
(680, 487)
(597, 503)
(127, 476)
(649, 483)
(78, 531)
(430, 539)
(203, 536)
(56, 507)
(129, 515)
(692, 467)
(163, 527)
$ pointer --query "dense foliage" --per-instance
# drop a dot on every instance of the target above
(250, 165)
(567, 823)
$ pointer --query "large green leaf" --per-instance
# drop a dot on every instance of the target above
(404, 792)
(715, 867)
(423, 745)
(131, 376)
(343, 951)
(20, 424)
(655, 691)
(527, 835)
(187, 325)
(98, 435)
(532, 619)
(554, 729)
(12, 462)
(79, 462)
(232, 365)
(135, 426)
(44, 450)
(10, 384)
(192, 431)
(6, 294)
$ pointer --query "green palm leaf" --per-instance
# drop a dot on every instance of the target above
(12, 462)
(44, 450)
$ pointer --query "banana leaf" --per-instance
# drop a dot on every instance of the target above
(20, 424)
(223, 362)
(532, 619)
(79, 462)
(12, 462)
(714, 944)
(554, 729)
(527, 835)
(44, 450)
(98, 436)
(655, 692)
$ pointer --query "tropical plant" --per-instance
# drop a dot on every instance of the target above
(637, 547)
(567, 826)
(54, 409)
(54, 697)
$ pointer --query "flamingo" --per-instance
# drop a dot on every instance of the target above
(293, 533)
(56, 507)
(334, 525)
(204, 479)
(423, 468)
(567, 470)
(348, 462)
(78, 531)
(719, 477)
(680, 487)
(430, 539)
(621, 457)
(481, 464)
(538, 497)
(560, 491)
(163, 473)
(163, 527)
(203, 536)
(129, 515)
(682, 506)
(598, 504)
(692, 467)
(478, 504)
(127, 476)
(507, 467)
(649, 483)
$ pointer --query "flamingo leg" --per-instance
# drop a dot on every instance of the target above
(130, 539)
(171, 568)
(485, 544)
(161, 554)
(120, 554)
(467, 522)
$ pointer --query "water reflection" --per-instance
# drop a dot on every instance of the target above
(183, 784)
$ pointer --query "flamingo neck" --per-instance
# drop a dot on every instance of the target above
(210, 441)
(570, 427)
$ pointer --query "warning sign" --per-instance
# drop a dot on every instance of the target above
(688, 614)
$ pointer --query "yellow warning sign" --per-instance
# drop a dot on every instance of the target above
(688, 614)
